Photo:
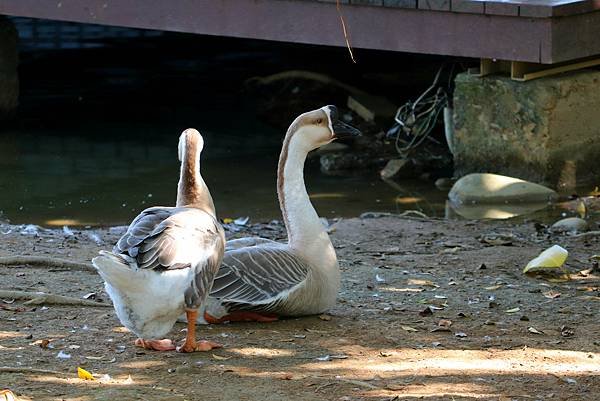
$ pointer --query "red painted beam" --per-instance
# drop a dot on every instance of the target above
(372, 27)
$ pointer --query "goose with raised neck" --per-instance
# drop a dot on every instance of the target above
(165, 263)
(262, 279)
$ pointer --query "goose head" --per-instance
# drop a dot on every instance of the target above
(190, 145)
(316, 128)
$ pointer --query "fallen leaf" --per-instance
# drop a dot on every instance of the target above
(567, 331)
(84, 374)
(427, 283)
(426, 312)
(494, 287)
(325, 317)
(445, 323)
(385, 354)
(552, 258)
(552, 294)
(408, 328)
(460, 334)
(227, 220)
(513, 310)
(220, 358)
(534, 330)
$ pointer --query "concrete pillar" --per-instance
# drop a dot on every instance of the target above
(545, 130)
(9, 79)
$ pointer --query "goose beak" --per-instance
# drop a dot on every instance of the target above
(341, 130)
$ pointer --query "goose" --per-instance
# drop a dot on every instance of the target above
(260, 279)
(165, 263)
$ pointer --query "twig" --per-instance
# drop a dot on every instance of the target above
(346, 36)
(42, 261)
(36, 298)
(20, 369)
(322, 386)
(358, 383)
(587, 234)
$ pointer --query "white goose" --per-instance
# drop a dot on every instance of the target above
(166, 261)
(262, 279)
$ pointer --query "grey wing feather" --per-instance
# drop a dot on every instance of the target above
(256, 277)
(202, 283)
(155, 237)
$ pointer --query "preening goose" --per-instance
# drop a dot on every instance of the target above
(261, 279)
(166, 261)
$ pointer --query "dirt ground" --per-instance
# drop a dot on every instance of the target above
(429, 309)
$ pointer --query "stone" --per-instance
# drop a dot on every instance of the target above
(570, 225)
(392, 168)
(498, 189)
(544, 130)
(9, 78)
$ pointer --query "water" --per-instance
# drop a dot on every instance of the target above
(105, 175)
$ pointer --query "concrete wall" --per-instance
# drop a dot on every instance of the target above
(9, 79)
(545, 130)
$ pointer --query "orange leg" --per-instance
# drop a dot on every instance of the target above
(242, 317)
(156, 345)
(190, 344)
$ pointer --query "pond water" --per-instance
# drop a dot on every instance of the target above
(105, 175)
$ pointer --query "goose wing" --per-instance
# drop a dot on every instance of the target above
(257, 277)
(167, 238)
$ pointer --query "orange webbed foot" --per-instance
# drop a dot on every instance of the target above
(155, 345)
(198, 346)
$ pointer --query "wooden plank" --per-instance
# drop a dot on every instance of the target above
(435, 5)
(383, 28)
(556, 8)
(367, 2)
(501, 8)
(467, 6)
(488, 67)
(575, 36)
(400, 3)
(520, 71)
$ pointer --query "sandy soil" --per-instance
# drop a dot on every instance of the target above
(427, 311)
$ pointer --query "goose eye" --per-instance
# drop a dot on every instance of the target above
(319, 121)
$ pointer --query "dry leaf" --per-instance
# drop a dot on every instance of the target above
(428, 283)
(445, 323)
(552, 294)
(513, 310)
(552, 258)
(325, 317)
(84, 374)
(494, 287)
(534, 330)
(408, 328)
(220, 358)
(426, 312)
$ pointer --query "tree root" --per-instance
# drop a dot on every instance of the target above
(37, 298)
(587, 234)
(20, 369)
(42, 261)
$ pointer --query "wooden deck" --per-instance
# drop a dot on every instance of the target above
(535, 31)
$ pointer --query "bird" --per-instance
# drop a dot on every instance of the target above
(164, 265)
(262, 280)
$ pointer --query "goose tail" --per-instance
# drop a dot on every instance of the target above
(116, 270)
